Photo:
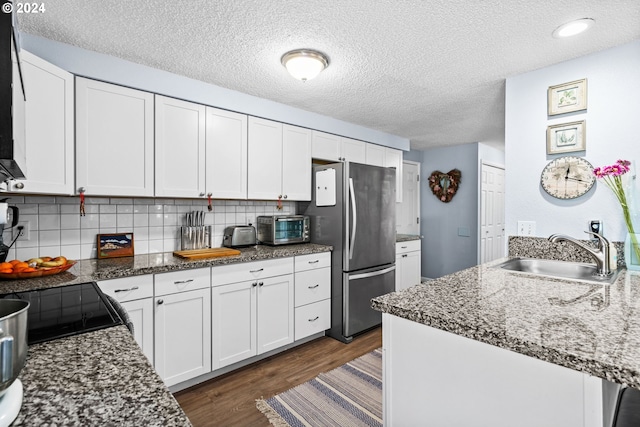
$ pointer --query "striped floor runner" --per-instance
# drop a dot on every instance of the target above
(350, 395)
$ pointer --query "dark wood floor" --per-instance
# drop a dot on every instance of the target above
(229, 400)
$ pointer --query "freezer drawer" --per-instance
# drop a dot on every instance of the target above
(359, 288)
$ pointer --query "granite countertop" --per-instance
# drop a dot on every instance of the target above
(96, 378)
(102, 269)
(406, 237)
(587, 327)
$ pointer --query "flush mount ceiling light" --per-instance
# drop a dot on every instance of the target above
(304, 64)
(573, 28)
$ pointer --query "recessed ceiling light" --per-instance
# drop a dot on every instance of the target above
(304, 64)
(573, 28)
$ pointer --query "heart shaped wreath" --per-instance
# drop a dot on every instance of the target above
(445, 185)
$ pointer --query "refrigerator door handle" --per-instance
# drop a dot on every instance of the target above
(352, 193)
(372, 273)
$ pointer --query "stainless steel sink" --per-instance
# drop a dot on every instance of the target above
(558, 269)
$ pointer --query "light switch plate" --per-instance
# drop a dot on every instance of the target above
(526, 228)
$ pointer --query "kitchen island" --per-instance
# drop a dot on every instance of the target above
(97, 378)
(485, 346)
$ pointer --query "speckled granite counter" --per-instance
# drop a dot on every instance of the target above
(97, 378)
(589, 328)
(406, 237)
(102, 269)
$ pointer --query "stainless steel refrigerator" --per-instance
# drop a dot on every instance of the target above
(353, 209)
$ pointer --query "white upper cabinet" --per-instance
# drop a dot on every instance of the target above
(226, 154)
(279, 161)
(114, 139)
(393, 159)
(265, 159)
(49, 128)
(333, 148)
(353, 150)
(296, 163)
(325, 146)
(179, 148)
(375, 155)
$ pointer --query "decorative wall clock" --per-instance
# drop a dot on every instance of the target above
(567, 177)
(445, 185)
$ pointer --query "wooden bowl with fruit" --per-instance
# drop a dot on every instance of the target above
(35, 267)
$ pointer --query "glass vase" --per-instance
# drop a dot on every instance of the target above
(632, 251)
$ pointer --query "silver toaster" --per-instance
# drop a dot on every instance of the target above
(239, 235)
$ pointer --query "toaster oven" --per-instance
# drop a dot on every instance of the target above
(283, 229)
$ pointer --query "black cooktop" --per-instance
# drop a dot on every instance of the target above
(65, 311)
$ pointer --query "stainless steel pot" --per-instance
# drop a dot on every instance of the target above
(13, 340)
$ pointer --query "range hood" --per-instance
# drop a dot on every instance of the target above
(12, 104)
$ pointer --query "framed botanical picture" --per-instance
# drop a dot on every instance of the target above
(567, 97)
(566, 137)
(115, 245)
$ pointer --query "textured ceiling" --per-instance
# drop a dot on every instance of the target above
(432, 71)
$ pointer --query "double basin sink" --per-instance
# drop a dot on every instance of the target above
(557, 269)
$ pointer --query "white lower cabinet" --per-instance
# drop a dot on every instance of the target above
(252, 309)
(408, 260)
(135, 294)
(313, 294)
(182, 325)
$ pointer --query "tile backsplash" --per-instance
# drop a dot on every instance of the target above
(56, 227)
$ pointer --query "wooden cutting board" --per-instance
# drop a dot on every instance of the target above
(206, 253)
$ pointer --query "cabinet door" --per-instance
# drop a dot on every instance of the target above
(325, 146)
(226, 154)
(275, 313)
(375, 155)
(265, 159)
(393, 159)
(407, 270)
(114, 139)
(141, 314)
(353, 150)
(183, 335)
(233, 323)
(180, 148)
(49, 128)
(296, 163)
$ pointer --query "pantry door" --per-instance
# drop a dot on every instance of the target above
(492, 240)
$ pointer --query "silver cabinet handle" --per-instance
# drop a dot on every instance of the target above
(260, 283)
(285, 196)
(18, 186)
(403, 247)
(180, 282)
(254, 284)
(135, 288)
(313, 287)
(160, 301)
(313, 320)
(314, 262)
(256, 271)
(404, 255)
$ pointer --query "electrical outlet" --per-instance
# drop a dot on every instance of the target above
(526, 228)
(25, 234)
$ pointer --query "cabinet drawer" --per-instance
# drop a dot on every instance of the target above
(128, 288)
(312, 286)
(410, 246)
(235, 273)
(312, 318)
(180, 281)
(313, 261)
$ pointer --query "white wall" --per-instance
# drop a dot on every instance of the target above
(98, 66)
(612, 132)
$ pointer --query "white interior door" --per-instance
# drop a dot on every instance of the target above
(408, 212)
(492, 240)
